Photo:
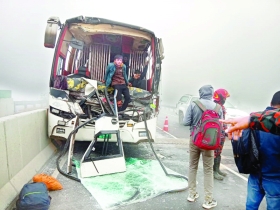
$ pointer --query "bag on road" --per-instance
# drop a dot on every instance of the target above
(207, 133)
(33, 196)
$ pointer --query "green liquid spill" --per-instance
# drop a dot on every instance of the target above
(143, 179)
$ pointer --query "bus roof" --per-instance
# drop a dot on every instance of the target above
(96, 21)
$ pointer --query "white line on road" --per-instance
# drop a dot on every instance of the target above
(167, 133)
(235, 173)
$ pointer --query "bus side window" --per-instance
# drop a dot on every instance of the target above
(60, 66)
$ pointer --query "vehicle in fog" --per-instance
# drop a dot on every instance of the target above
(83, 49)
(185, 101)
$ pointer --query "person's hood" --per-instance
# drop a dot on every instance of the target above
(206, 92)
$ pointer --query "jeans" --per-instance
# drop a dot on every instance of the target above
(123, 90)
(270, 188)
(208, 162)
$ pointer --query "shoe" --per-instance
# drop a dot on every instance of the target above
(217, 176)
(216, 168)
(192, 198)
(209, 204)
(222, 173)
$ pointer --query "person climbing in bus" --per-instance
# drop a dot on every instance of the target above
(116, 77)
(137, 79)
(220, 97)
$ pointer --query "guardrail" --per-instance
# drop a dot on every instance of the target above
(23, 106)
(24, 149)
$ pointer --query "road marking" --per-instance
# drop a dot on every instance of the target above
(167, 133)
(235, 173)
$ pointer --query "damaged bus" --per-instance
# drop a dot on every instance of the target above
(83, 47)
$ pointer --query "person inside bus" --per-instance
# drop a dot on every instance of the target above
(137, 79)
(126, 62)
(116, 77)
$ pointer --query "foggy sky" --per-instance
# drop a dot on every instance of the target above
(229, 44)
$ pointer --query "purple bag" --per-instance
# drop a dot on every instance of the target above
(60, 82)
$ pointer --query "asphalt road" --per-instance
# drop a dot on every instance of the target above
(173, 149)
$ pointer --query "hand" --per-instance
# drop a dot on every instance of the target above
(103, 81)
(129, 84)
(237, 125)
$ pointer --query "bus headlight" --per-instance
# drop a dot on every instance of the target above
(142, 134)
(60, 122)
(61, 113)
(55, 111)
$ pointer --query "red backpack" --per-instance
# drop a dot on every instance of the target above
(207, 133)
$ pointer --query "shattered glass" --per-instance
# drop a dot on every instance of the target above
(143, 180)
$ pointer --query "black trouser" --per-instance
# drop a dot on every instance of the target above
(122, 90)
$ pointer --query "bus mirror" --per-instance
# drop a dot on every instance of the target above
(51, 32)
(161, 49)
(77, 44)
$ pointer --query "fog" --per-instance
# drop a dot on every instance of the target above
(229, 44)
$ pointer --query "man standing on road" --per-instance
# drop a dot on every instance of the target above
(220, 97)
(267, 183)
(192, 117)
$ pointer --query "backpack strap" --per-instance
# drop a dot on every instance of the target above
(200, 105)
(217, 108)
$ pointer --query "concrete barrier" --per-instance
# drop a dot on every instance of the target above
(24, 149)
(6, 107)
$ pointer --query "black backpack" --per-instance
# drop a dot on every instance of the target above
(246, 152)
(34, 196)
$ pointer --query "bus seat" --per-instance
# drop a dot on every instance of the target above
(82, 71)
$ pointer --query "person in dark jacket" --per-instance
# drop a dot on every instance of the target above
(220, 97)
(268, 184)
(191, 118)
(137, 79)
(116, 77)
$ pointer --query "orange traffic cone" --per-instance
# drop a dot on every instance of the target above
(165, 127)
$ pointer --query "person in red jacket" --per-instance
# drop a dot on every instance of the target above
(220, 97)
